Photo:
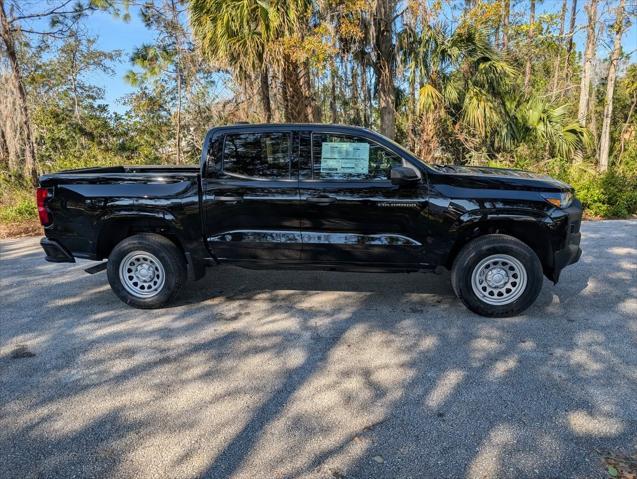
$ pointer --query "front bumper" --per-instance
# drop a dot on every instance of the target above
(55, 252)
(570, 252)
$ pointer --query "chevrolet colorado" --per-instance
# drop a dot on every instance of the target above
(316, 197)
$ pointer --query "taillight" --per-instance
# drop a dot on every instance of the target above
(41, 196)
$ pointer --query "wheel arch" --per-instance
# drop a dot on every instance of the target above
(531, 231)
(114, 229)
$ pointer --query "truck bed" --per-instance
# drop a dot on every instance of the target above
(135, 169)
(126, 175)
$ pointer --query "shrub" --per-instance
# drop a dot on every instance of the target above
(605, 195)
(609, 195)
(20, 208)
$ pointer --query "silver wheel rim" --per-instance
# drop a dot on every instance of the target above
(142, 274)
(499, 279)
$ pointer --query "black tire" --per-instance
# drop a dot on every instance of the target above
(477, 250)
(165, 252)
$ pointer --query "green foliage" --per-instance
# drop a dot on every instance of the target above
(19, 209)
(608, 195)
(540, 123)
(17, 200)
(604, 195)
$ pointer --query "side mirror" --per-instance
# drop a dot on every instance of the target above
(404, 176)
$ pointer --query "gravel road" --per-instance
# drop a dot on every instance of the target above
(267, 374)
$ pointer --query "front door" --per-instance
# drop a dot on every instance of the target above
(251, 198)
(352, 213)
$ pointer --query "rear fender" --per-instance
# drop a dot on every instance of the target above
(114, 227)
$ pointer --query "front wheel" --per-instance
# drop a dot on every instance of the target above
(146, 270)
(497, 276)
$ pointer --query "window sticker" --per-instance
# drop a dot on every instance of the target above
(344, 158)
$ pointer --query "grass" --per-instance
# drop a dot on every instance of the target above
(18, 211)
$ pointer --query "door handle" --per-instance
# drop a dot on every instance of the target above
(321, 200)
(229, 198)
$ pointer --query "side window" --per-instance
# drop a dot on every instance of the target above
(305, 155)
(213, 156)
(343, 157)
(257, 155)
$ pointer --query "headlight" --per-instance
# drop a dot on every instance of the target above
(561, 200)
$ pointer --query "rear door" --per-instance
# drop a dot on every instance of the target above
(251, 197)
(352, 213)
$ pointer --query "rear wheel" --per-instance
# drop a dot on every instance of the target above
(146, 270)
(497, 276)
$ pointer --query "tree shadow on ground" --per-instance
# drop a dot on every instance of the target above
(306, 374)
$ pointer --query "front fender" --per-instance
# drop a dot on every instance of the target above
(536, 229)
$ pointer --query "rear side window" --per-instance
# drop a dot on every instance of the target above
(257, 155)
(344, 157)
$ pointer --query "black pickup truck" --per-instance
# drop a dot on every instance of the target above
(314, 197)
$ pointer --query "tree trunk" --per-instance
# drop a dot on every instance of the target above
(506, 13)
(592, 123)
(527, 69)
(74, 76)
(30, 165)
(178, 114)
(556, 66)
(333, 112)
(307, 93)
(294, 100)
(178, 73)
(589, 54)
(4, 148)
(384, 65)
(366, 95)
(411, 111)
(622, 134)
(604, 144)
(264, 94)
(354, 95)
(571, 42)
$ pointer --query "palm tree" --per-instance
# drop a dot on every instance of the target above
(463, 89)
(247, 36)
(540, 123)
(467, 100)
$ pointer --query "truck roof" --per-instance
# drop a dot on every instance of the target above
(293, 126)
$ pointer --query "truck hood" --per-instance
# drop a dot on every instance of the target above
(502, 177)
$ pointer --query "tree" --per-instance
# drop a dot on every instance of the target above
(384, 63)
(14, 22)
(604, 144)
(464, 85)
(558, 62)
(248, 36)
(587, 70)
(234, 34)
(168, 58)
(530, 35)
(539, 123)
(571, 42)
(630, 88)
(67, 67)
(8, 34)
(506, 14)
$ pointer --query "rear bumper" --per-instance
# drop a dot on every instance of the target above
(55, 252)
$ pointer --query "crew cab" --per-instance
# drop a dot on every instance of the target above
(313, 196)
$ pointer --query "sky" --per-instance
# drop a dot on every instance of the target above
(115, 34)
